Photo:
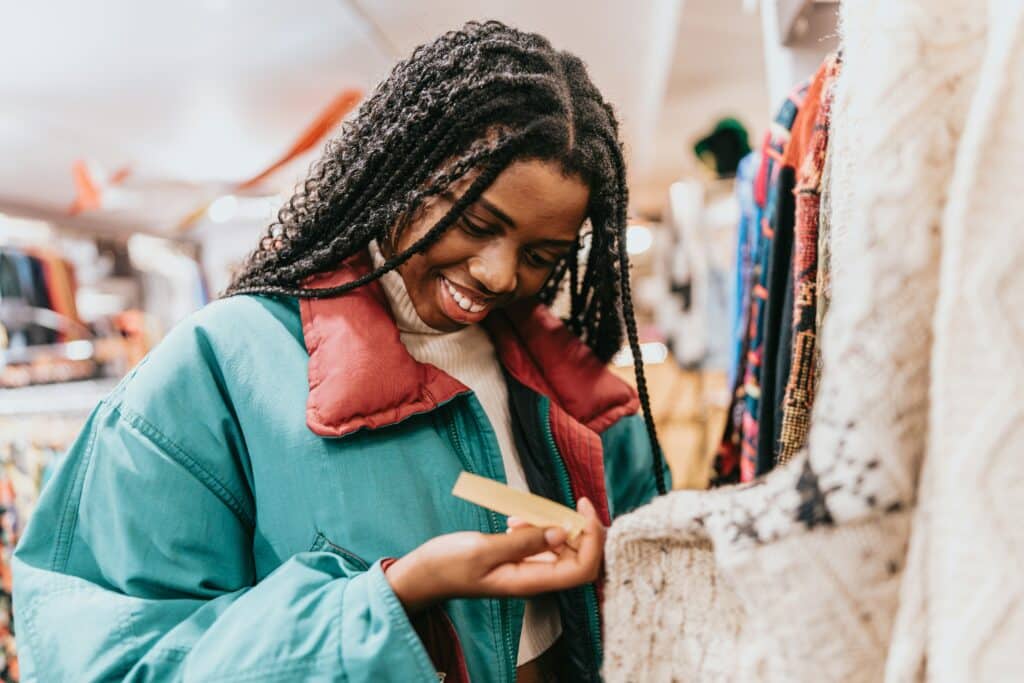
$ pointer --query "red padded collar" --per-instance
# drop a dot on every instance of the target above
(362, 377)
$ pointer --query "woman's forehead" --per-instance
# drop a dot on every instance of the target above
(531, 195)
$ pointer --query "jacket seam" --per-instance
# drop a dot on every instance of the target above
(69, 516)
(182, 458)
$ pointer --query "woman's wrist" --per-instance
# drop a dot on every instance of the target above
(413, 588)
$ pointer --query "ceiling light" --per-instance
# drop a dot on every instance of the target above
(639, 239)
(79, 349)
(223, 209)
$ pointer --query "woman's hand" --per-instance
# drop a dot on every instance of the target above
(525, 561)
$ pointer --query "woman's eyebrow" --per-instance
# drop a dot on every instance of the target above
(504, 217)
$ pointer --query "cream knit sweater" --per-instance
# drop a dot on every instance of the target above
(805, 575)
(468, 355)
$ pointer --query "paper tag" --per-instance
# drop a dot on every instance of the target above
(530, 508)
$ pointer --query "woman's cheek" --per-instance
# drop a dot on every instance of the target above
(531, 282)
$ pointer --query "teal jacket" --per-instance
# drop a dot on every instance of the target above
(226, 511)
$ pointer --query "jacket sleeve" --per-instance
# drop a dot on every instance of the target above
(138, 565)
(628, 465)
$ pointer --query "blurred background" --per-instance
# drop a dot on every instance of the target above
(144, 146)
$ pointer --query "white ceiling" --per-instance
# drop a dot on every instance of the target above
(197, 94)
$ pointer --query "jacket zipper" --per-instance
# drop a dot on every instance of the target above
(495, 527)
(589, 591)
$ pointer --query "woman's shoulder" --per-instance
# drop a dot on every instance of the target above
(214, 356)
(231, 317)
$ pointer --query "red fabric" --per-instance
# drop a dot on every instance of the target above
(582, 453)
(803, 125)
(542, 353)
(761, 181)
(362, 376)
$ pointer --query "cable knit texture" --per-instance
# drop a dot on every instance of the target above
(800, 576)
(961, 615)
(469, 356)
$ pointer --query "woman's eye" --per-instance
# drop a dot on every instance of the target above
(472, 229)
(538, 260)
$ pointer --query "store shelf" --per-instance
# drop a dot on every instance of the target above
(64, 398)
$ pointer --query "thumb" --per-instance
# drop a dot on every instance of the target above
(515, 545)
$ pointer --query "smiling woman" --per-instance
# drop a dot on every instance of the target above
(286, 457)
(503, 248)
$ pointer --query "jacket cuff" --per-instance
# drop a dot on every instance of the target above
(439, 638)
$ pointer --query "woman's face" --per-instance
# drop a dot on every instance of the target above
(503, 248)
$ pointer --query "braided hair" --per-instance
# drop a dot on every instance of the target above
(465, 106)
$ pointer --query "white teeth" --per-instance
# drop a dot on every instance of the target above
(464, 302)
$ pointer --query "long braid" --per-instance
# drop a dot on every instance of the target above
(631, 333)
(471, 102)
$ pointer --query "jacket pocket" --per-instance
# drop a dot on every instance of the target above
(323, 544)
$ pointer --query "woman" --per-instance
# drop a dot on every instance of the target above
(234, 509)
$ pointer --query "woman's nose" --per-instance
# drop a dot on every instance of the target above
(495, 267)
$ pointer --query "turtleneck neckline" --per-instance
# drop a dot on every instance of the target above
(406, 317)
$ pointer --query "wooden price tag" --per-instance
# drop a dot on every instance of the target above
(530, 508)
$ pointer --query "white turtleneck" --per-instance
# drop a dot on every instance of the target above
(469, 356)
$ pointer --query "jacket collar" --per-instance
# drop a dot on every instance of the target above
(362, 377)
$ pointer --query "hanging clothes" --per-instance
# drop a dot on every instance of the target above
(24, 464)
(774, 350)
(41, 279)
(25, 282)
(798, 397)
(736, 459)
(778, 332)
(746, 245)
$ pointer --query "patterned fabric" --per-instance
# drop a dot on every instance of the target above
(799, 389)
(23, 467)
(746, 244)
(8, 539)
(777, 330)
(737, 454)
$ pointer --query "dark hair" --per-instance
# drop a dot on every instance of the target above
(471, 101)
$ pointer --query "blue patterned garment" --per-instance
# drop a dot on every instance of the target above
(747, 235)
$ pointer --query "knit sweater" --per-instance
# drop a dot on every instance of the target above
(800, 576)
(469, 356)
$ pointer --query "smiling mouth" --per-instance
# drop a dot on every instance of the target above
(460, 305)
(465, 303)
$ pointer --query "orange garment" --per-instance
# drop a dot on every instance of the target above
(803, 127)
